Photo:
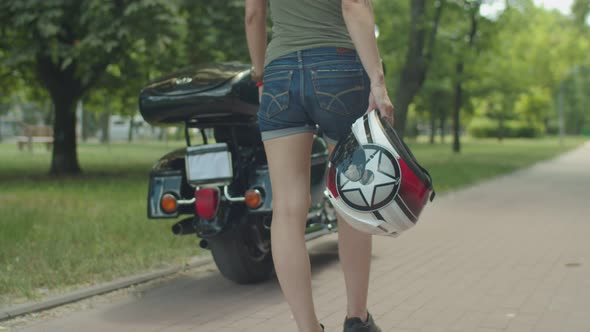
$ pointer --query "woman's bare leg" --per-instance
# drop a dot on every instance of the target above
(289, 166)
(354, 249)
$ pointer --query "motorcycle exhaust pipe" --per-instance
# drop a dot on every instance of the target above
(184, 227)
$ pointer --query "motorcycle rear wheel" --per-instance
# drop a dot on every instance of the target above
(242, 253)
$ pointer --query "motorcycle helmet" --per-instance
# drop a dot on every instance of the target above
(374, 182)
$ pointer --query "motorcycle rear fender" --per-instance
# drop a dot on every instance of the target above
(168, 176)
(163, 183)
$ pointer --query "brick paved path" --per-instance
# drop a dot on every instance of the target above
(512, 254)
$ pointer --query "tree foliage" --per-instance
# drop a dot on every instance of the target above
(580, 11)
(215, 31)
(67, 46)
(511, 64)
(422, 30)
(530, 54)
(442, 58)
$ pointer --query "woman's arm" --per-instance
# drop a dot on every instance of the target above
(255, 18)
(360, 21)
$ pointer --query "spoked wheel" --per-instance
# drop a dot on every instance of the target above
(242, 253)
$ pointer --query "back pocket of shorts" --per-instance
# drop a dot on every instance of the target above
(340, 91)
(275, 94)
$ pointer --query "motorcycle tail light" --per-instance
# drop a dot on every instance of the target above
(253, 198)
(168, 203)
(206, 202)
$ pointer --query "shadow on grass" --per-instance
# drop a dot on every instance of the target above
(98, 162)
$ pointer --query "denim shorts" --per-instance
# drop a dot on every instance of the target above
(327, 87)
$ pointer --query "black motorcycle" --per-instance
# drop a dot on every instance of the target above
(222, 183)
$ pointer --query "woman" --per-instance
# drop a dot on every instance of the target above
(311, 74)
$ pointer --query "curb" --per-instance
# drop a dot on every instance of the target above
(59, 300)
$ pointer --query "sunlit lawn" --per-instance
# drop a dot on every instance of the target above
(481, 159)
(57, 233)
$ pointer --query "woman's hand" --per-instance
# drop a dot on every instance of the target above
(360, 21)
(379, 99)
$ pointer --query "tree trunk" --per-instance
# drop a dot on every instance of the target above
(163, 134)
(432, 125)
(130, 133)
(415, 68)
(459, 70)
(65, 91)
(105, 127)
(457, 107)
(403, 97)
(442, 126)
(85, 133)
(64, 158)
(501, 128)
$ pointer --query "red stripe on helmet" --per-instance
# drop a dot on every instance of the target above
(332, 181)
(413, 191)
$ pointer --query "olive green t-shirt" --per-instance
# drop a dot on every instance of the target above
(305, 24)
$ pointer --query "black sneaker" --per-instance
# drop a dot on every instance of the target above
(356, 324)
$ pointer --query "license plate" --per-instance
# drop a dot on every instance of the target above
(209, 164)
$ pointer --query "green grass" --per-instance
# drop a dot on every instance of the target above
(59, 233)
(80, 230)
(483, 159)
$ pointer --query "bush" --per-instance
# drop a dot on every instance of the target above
(481, 127)
(552, 127)
(522, 129)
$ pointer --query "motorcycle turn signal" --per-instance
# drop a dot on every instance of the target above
(253, 198)
(168, 203)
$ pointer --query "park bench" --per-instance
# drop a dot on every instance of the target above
(35, 134)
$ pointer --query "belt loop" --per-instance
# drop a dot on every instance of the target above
(300, 59)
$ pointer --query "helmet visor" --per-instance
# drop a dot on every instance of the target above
(349, 158)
